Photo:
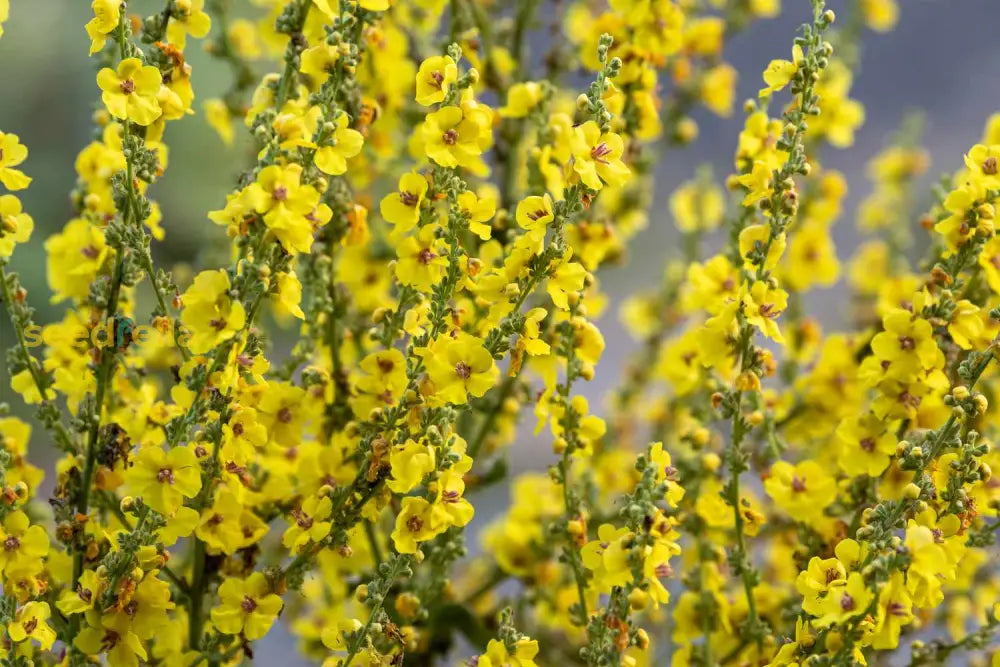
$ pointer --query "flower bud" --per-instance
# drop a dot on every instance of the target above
(638, 599)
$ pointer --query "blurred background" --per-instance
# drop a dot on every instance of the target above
(936, 60)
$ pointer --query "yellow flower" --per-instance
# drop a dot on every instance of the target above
(12, 153)
(762, 305)
(866, 444)
(534, 213)
(289, 295)
(802, 490)
(607, 557)
(757, 182)
(597, 156)
(458, 367)
(187, 17)
(497, 654)
(982, 162)
(451, 137)
(881, 16)
(247, 606)
(422, 259)
(209, 312)
(779, 72)
(845, 600)
(894, 611)
(83, 596)
(697, 206)
(131, 92)
(478, 211)
(521, 99)
(402, 208)
(287, 206)
(114, 636)
(718, 89)
(31, 621)
(416, 522)
(310, 523)
(907, 343)
(967, 325)
(23, 545)
(15, 225)
(218, 117)
(434, 77)
(812, 258)
(567, 278)
(318, 62)
(75, 256)
(331, 157)
(227, 525)
(163, 479)
(283, 411)
(385, 371)
(666, 473)
(107, 14)
(410, 463)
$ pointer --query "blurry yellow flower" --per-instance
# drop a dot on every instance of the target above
(107, 14)
(12, 153)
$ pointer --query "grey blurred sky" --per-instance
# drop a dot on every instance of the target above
(941, 59)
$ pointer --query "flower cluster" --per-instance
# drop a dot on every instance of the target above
(415, 248)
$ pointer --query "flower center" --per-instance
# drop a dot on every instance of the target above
(450, 137)
(11, 543)
(798, 484)
(303, 520)
(30, 626)
(846, 602)
(990, 166)
(907, 343)
(414, 524)
(409, 199)
(867, 444)
(109, 641)
(425, 256)
(128, 86)
(599, 152)
(463, 370)
(165, 476)
(284, 415)
(249, 604)
(280, 193)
